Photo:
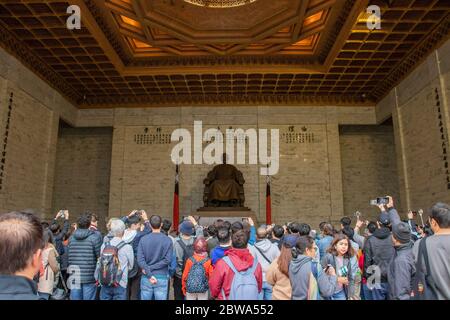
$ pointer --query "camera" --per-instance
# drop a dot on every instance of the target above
(380, 200)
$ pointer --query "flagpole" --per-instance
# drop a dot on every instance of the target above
(176, 201)
(268, 199)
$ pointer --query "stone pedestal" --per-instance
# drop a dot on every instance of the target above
(231, 214)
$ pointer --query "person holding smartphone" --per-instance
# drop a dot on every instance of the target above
(309, 281)
(342, 257)
(58, 233)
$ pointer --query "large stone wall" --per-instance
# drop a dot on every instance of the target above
(308, 185)
(419, 145)
(313, 182)
(83, 167)
(28, 171)
(369, 167)
(143, 176)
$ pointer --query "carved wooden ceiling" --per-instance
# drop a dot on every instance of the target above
(224, 52)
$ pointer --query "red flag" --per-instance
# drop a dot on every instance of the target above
(176, 204)
(268, 202)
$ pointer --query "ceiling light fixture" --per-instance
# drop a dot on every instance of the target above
(219, 3)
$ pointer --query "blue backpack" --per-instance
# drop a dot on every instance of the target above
(196, 281)
(244, 285)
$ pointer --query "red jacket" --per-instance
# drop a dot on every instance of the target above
(361, 266)
(222, 275)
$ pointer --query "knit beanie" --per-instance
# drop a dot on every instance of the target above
(402, 232)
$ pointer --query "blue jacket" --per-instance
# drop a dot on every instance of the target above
(324, 244)
(154, 254)
(218, 253)
(252, 237)
(84, 251)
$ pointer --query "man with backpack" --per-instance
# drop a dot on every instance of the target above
(432, 281)
(197, 271)
(266, 252)
(83, 252)
(116, 259)
(237, 276)
(154, 257)
(184, 250)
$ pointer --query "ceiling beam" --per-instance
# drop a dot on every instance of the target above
(299, 25)
(90, 23)
(344, 34)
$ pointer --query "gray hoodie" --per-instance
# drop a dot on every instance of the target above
(266, 250)
(305, 285)
(179, 252)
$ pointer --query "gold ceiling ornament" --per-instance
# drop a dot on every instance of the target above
(219, 3)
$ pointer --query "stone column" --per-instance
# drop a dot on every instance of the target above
(335, 172)
(403, 182)
(116, 179)
(47, 196)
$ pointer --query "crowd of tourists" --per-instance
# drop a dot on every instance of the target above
(144, 258)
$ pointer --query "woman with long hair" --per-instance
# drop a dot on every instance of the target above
(278, 273)
(49, 268)
(342, 257)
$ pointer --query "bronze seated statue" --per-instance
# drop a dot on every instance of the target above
(224, 187)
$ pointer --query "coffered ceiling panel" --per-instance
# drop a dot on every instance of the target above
(200, 52)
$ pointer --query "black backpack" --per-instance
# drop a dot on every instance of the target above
(134, 272)
(188, 252)
(110, 269)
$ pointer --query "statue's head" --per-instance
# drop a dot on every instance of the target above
(224, 158)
